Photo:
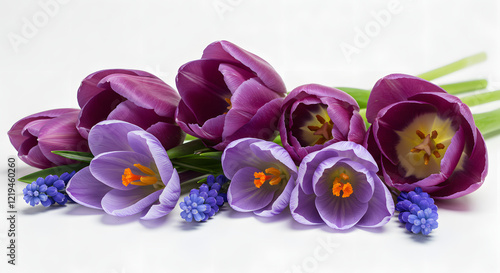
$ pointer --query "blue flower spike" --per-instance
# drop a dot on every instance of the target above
(204, 202)
(48, 190)
(417, 211)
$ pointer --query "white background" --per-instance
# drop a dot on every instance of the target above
(58, 44)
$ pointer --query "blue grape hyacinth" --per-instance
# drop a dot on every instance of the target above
(417, 211)
(204, 202)
(48, 190)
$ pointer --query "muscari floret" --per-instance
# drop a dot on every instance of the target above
(48, 190)
(204, 202)
(417, 211)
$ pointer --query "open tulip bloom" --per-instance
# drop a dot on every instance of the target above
(131, 173)
(424, 137)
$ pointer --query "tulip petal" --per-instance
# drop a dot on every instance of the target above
(145, 92)
(142, 117)
(86, 190)
(58, 134)
(224, 50)
(234, 76)
(170, 135)
(88, 89)
(395, 88)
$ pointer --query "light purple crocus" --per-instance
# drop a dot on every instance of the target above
(37, 135)
(315, 116)
(228, 94)
(262, 176)
(422, 136)
(339, 186)
(134, 96)
(130, 173)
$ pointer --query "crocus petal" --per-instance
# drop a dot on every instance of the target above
(338, 212)
(110, 135)
(230, 52)
(236, 150)
(395, 88)
(145, 92)
(126, 203)
(303, 207)
(60, 133)
(280, 201)
(242, 194)
(168, 198)
(109, 167)
(86, 190)
(380, 207)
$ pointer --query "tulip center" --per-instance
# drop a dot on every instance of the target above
(228, 100)
(423, 144)
(149, 178)
(273, 175)
(344, 187)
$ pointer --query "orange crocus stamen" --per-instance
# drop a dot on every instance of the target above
(129, 177)
(273, 175)
(339, 186)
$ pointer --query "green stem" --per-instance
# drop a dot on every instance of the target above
(362, 112)
(186, 149)
(488, 123)
(455, 66)
(360, 95)
(190, 137)
(467, 86)
(477, 99)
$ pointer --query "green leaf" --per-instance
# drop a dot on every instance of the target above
(199, 164)
(463, 87)
(454, 66)
(488, 123)
(477, 99)
(79, 156)
(190, 137)
(187, 148)
(360, 95)
(52, 171)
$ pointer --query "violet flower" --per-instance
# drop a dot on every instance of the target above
(133, 96)
(37, 135)
(339, 186)
(227, 95)
(422, 136)
(130, 173)
(262, 176)
(315, 116)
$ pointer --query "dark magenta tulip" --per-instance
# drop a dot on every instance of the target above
(228, 94)
(37, 135)
(315, 116)
(133, 96)
(422, 136)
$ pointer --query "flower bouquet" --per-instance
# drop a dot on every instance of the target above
(231, 133)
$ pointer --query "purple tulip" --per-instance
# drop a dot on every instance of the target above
(262, 176)
(37, 135)
(422, 136)
(315, 116)
(227, 95)
(130, 173)
(133, 96)
(339, 186)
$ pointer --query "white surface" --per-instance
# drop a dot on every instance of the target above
(302, 40)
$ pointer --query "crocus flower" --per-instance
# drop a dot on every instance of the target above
(339, 186)
(37, 135)
(422, 136)
(130, 173)
(227, 95)
(133, 96)
(262, 176)
(315, 116)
